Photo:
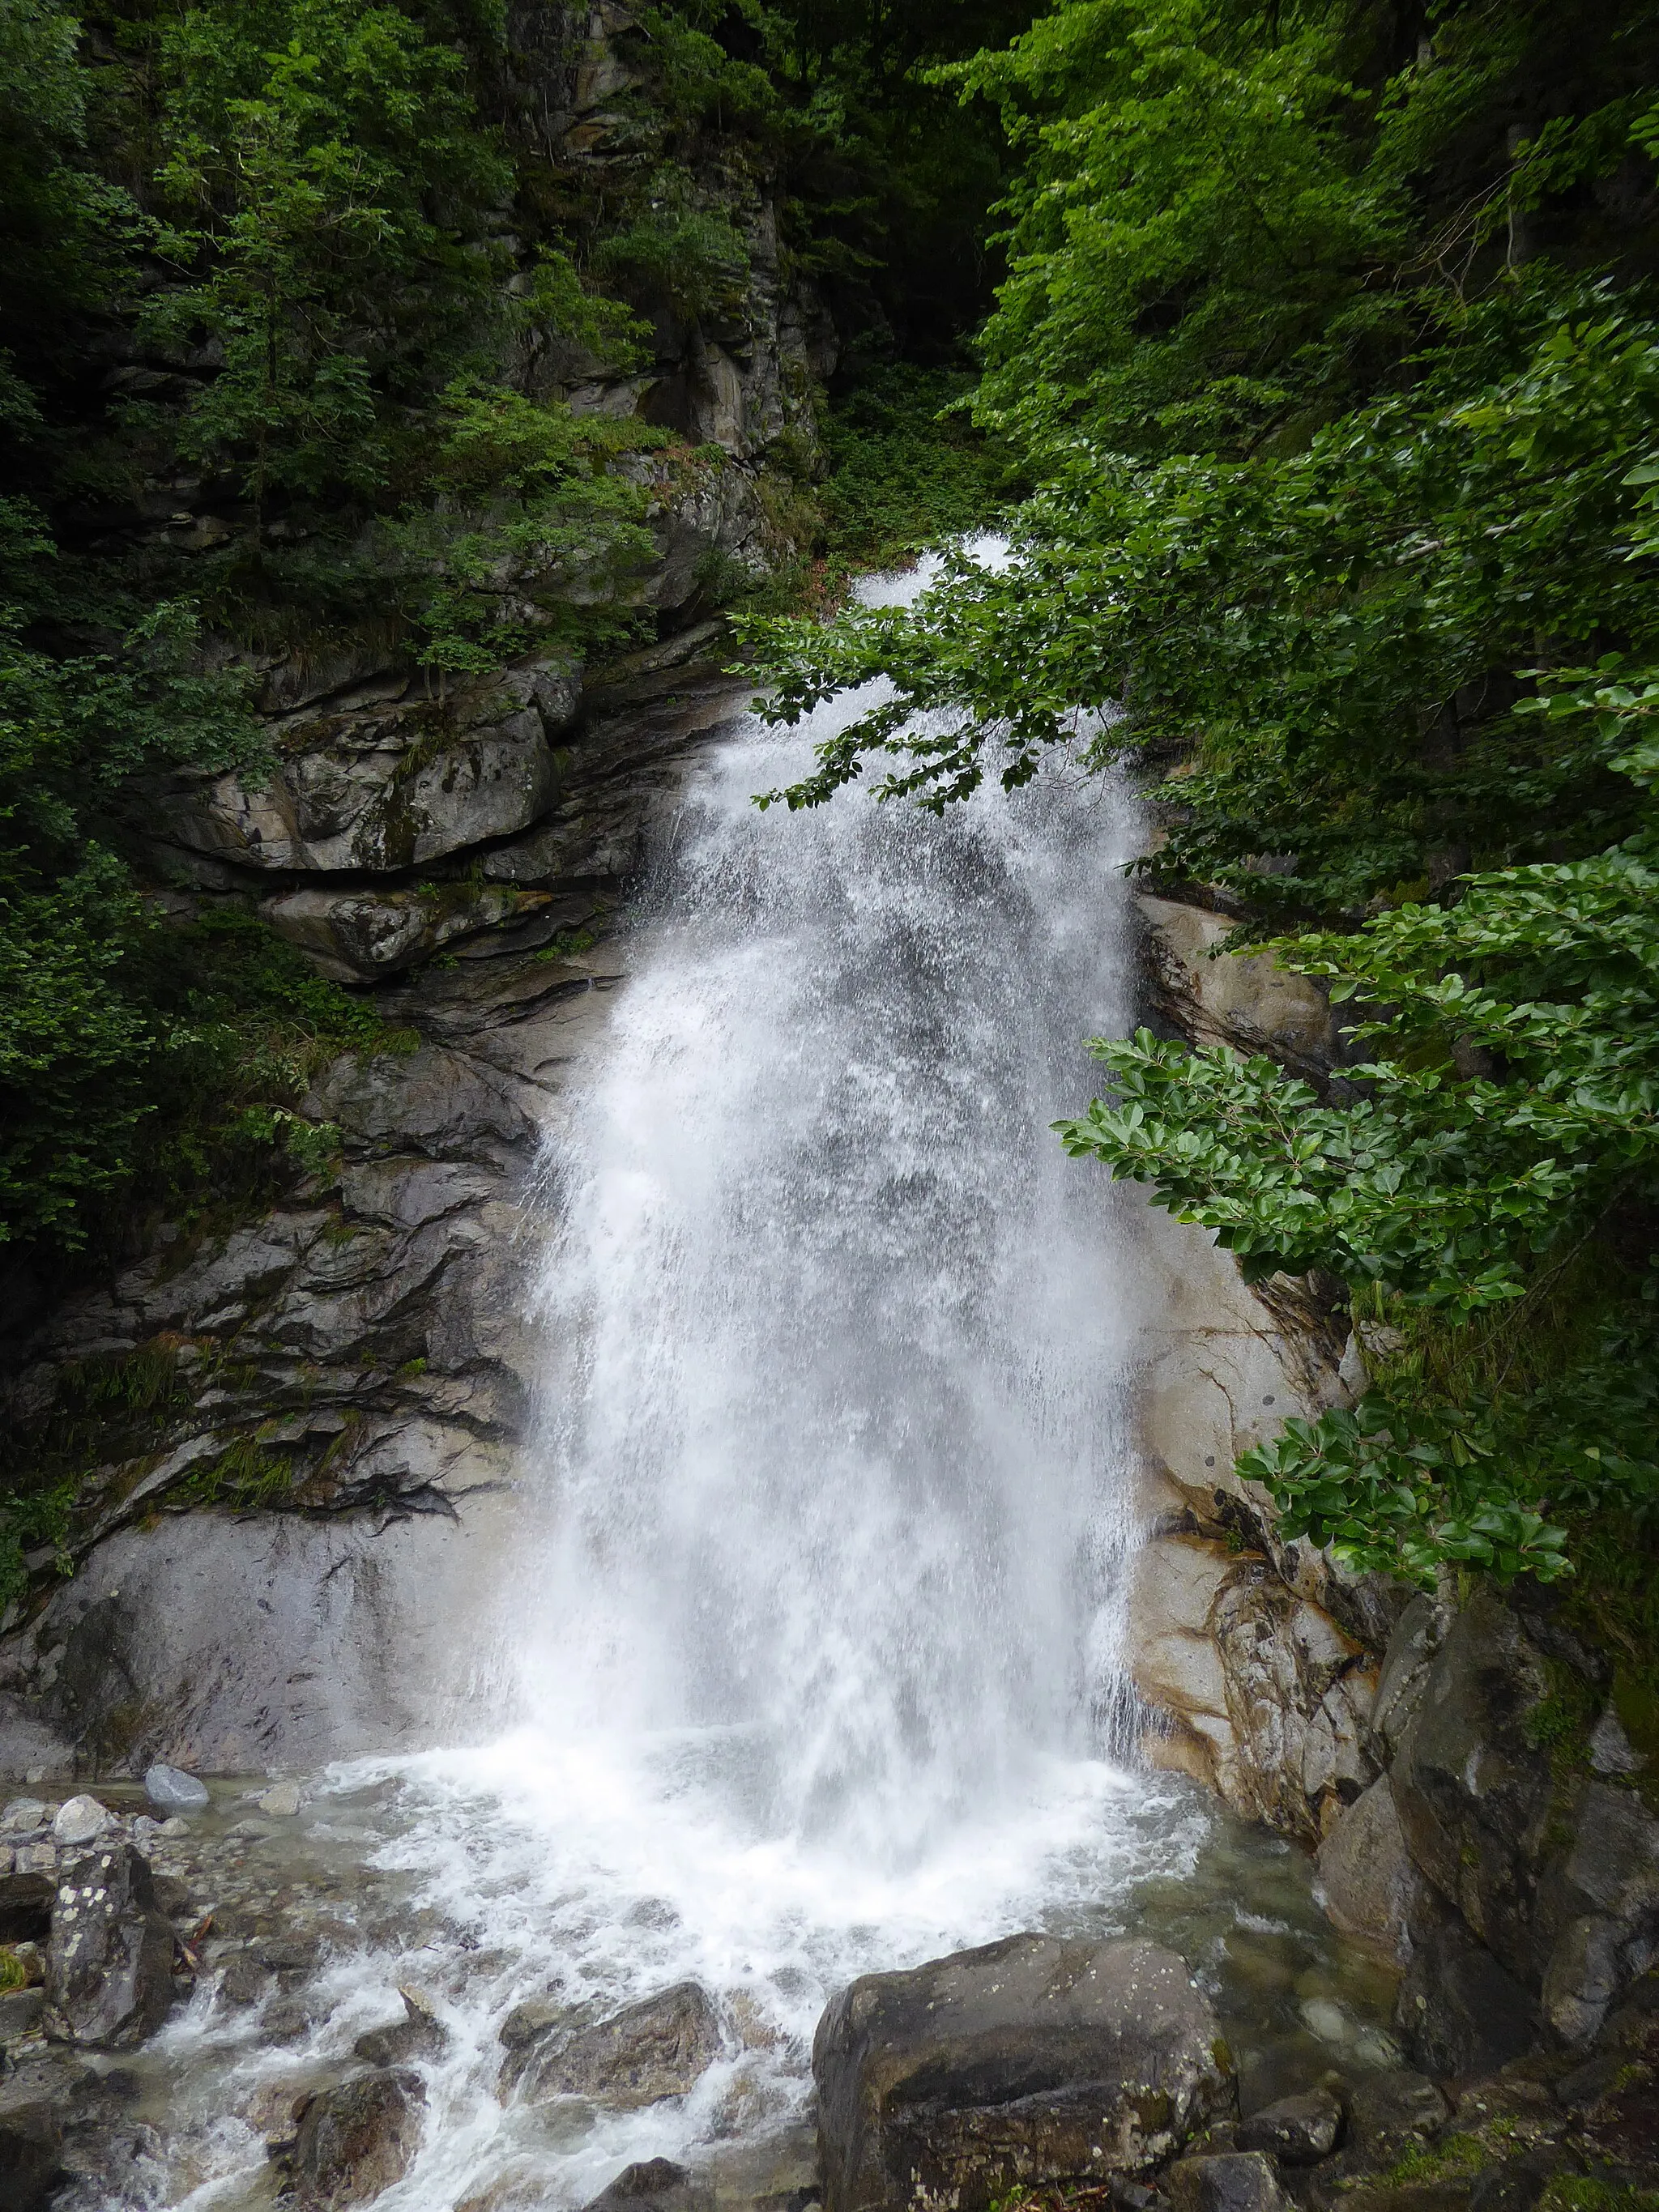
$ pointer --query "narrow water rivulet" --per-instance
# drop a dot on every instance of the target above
(806, 1657)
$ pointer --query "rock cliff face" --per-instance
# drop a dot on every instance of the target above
(1480, 1814)
(1257, 1659)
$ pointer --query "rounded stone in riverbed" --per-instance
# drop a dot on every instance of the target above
(170, 1790)
(81, 1820)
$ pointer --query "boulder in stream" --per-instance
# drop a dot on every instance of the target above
(652, 2050)
(1031, 2060)
(654, 2184)
(170, 1790)
(109, 1964)
(356, 2140)
(30, 2142)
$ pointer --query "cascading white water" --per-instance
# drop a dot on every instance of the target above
(843, 1466)
(812, 1617)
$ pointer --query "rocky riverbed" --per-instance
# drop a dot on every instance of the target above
(308, 1954)
(320, 2014)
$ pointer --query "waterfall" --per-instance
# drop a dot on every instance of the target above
(839, 1468)
(810, 1618)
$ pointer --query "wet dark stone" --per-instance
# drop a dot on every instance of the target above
(1298, 2130)
(244, 1982)
(419, 2034)
(26, 1907)
(530, 2020)
(1031, 2060)
(1388, 2112)
(287, 1954)
(655, 2049)
(109, 1965)
(355, 2140)
(1459, 2013)
(654, 2184)
(1517, 2185)
(30, 2142)
(1236, 2181)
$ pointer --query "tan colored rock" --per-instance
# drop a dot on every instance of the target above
(1245, 1001)
(1366, 1877)
(1261, 1694)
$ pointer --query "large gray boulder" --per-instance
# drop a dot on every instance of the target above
(1029, 2061)
(170, 1790)
(109, 1963)
(650, 2051)
(355, 2140)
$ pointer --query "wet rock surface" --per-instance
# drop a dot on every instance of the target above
(654, 2184)
(655, 2049)
(306, 1963)
(1022, 2063)
(1223, 2181)
(356, 2140)
(109, 1963)
(1297, 2130)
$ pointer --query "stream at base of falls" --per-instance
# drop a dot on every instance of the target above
(806, 1660)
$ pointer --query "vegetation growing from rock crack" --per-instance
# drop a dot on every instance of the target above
(1330, 345)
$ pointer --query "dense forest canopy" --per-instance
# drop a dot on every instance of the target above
(1329, 338)
(1316, 339)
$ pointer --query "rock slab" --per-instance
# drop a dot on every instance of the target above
(109, 1963)
(1028, 2062)
(650, 2051)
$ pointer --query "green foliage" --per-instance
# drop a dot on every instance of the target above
(1191, 228)
(525, 498)
(63, 228)
(694, 257)
(906, 467)
(1340, 630)
(245, 1025)
(73, 1037)
(330, 175)
(1445, 1190)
